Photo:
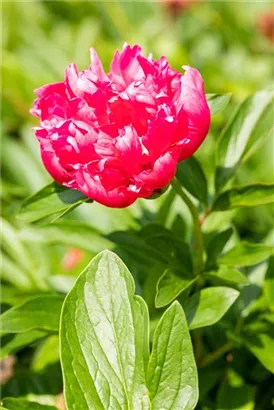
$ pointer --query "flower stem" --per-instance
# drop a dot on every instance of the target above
(198, 238)
(211, 357)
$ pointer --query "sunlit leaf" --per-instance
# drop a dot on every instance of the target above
(170, 285)
(217, 102)
(246, 254)
(41, 312)
(209, 305)
(53, 199)
(246, 196)
(104, 339)
(172, 375)
(251, 123)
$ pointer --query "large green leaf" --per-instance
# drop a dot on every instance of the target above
(53, 199)
(41, 312)
(246, 196)
(209, 305)
(246, 254)
(104, 339)
(15, 342)
(172, 375)
(72, 233)
(217, 102)
(11, 403)
(249, 126)
(170, 285)
(228, 275)
(192, 177)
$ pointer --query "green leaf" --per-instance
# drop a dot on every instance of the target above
(246, 196)
(228, 275)
(41, 312)
(232, 397)
(15, 342)
(72, 233)
(251, 123)
(46, 354)
(170, 285)
(209, 305)
(105, 326)
(246, 254)
(172, 375)
(192, 177)
(262, 346)
(269, 284)
(216, 245)
(53, 199)
(21, 404)
(217, 102)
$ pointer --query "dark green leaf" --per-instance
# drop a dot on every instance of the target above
(192, 177)
(217, 102)
(246, 196)
(172, 375)
(41, 312)
(22, 404)
(269, 284)
(251, 123)
(246, 254)
(53, 199)
(216, 245)
(231, 397)
(15, 342)
(105, 326)
(228, 275)
(170, 285)
(209, 305)
(262, 346)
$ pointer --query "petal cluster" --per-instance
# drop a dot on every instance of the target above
(119, 136)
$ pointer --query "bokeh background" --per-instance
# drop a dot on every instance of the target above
(231, 43)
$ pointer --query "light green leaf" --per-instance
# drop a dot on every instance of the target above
(246, 254)
(209, 305)
(41, 312)
(21, 404)
(53, 199)
(14, 275)
(72, 233)
(229, 275)
(217, 102)
(246, 196)
(269, 284)
(251, 123)
(262, 346)
(170, 285)
(192, 177)
(172, 375)
(46, 354)
(104, 339)
(15, 342)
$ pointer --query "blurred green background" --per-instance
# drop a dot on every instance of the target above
(231, 43)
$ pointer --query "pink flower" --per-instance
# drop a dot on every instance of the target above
(119, 136)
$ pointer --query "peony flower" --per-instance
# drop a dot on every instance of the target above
(119, 136)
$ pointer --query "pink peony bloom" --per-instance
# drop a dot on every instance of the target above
(119, 136)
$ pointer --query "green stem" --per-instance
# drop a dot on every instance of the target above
(211, 357)
(198, 238)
